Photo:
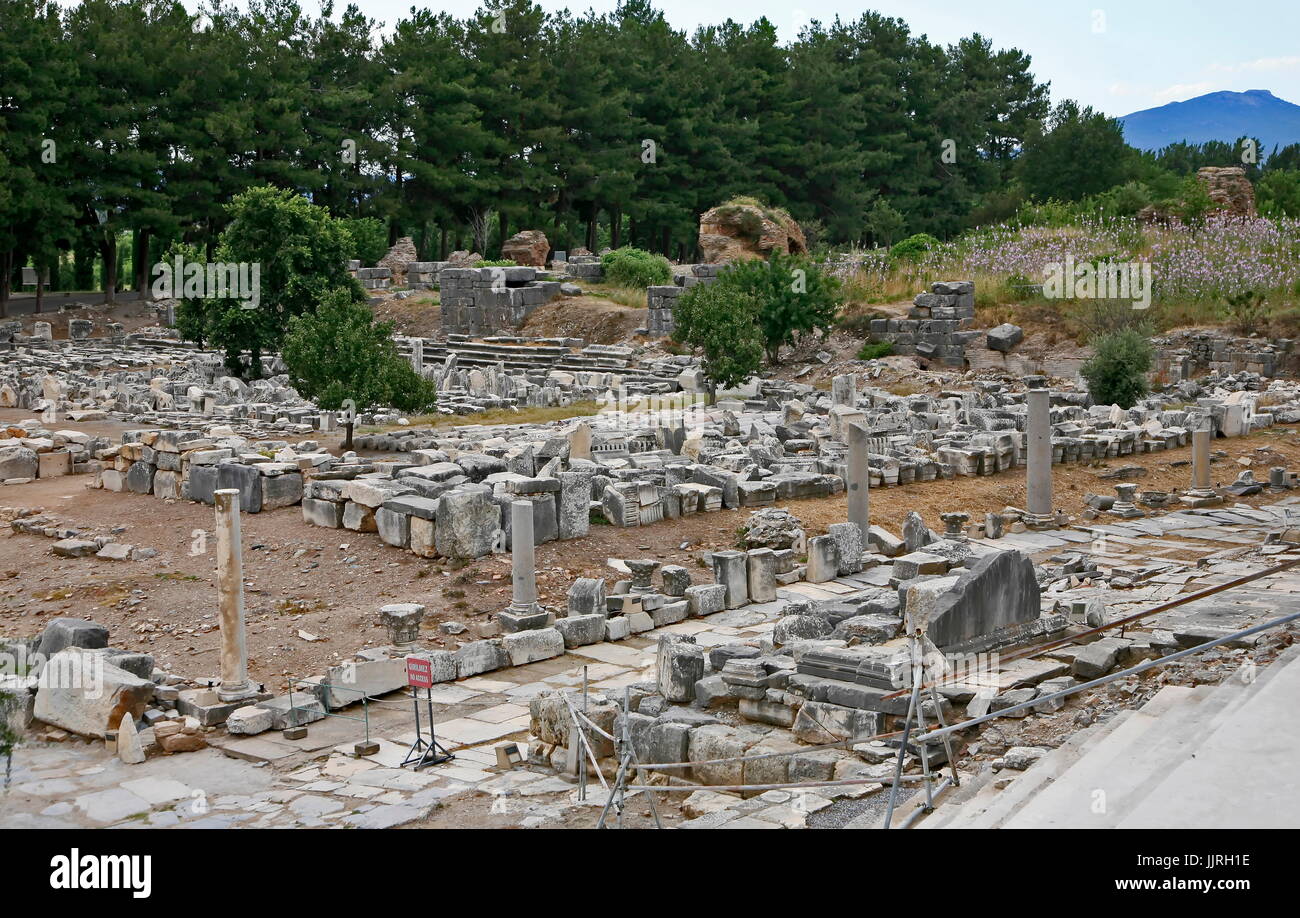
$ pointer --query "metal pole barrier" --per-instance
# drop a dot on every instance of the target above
(902, 750)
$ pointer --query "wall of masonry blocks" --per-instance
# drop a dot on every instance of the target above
(477, 301)
(660, 299)
(584, 267)
(937, 327)
(1188, 354)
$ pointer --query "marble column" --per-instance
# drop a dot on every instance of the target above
(1202, 493)
(235, 683)
(1038, 454)
(417, 356)
(858, 478)
(524, 613)
(523, 562)
(1201, 460)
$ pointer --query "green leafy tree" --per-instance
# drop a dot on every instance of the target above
(1278, 193)
(36, 206)
(301, 252)
(884, 223)
(1076, 153)
(722, 322)
(794, 296)
(1116, 373)
(369, 239)
(342, 358)
(193, 316)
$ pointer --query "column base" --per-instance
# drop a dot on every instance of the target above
(524, 619)
(1126, 511)
(1039, 520)
(228, 693)
(1201, 497)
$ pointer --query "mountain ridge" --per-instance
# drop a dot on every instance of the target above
(1222, 115)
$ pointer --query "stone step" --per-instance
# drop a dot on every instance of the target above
(992, 805)
(1243, 773)
(1077, 793)
(1133, 766)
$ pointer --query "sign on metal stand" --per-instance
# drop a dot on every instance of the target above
(419, 675)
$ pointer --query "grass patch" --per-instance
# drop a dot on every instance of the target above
(630, 297)
(298, 606)
(874, 350)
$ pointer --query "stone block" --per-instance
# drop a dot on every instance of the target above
(320, 512)
(293, 710)
(729, 571)
(578, 630)
(481, 657)
(83, 693)
(531, 646)
(679, 665)
(706, 598)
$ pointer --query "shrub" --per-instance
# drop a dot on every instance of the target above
(495, 263)
(1116, 374)
(793, 295)
(913, 247)
(874, 350)
(632, 267)
(1246, 310)
(722, 321)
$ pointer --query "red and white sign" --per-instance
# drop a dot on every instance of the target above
(419, 673)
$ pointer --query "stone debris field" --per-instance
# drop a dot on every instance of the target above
(780, 680)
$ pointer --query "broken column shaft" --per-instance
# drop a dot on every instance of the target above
(1038, 454)
(234, 683)
(524, 613)
(1201, 460)
(523, 568)
(1202, 492)
(858, 479)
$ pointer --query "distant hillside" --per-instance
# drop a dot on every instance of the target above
(1216, 116)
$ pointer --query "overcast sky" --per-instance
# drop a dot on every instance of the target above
(1116, 57)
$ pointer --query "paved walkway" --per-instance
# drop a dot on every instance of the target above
(268, 781)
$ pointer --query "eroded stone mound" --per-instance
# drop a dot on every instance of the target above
(399, 259)
(739, 229)
(528, 248)
(1229, 188)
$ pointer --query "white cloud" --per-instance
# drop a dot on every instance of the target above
(1181, 92)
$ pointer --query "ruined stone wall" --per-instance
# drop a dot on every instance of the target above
(1194, 352)
(484, 301)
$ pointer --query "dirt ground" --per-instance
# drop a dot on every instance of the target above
(329, 584)
(133, 316)
(418, 315)
(593, 319)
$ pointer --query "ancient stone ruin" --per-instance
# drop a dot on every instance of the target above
(740, 230)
